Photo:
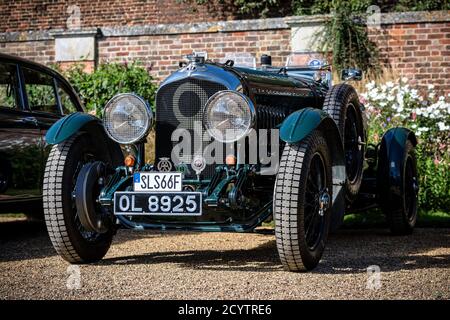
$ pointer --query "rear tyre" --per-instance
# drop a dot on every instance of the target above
(69, 238)
(342, 104)
(401, 211)
(302, 198)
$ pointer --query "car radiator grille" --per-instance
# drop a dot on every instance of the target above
(269, 116)
(180, 105)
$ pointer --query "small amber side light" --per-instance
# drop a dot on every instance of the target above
(130, 161)
(230, 160)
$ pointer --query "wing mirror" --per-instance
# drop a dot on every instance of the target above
(351, 74)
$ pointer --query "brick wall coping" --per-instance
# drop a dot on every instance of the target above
(221, 26)
(157, 29)
(385, 18)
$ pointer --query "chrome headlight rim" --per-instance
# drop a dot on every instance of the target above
(250, 105)
(147, 109)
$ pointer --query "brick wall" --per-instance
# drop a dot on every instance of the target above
(40, 51)
(164, 51)
(414, 45)
(26, 15)
(418, 51)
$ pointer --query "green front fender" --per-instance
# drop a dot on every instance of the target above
(297, 126)
(301, 123)
(66, 127)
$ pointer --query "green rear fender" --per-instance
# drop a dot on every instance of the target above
(391, 157)
(66, 127)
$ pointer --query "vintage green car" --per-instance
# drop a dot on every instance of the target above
(235, 147)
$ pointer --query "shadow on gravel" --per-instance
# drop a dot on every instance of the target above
(24, 239)
(263, 258)
(21, 229)
(352, 251)
(348, 251)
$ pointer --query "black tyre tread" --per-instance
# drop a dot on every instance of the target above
(52, 198)
(286, 202)
(285, 205)
(334, 98)
(332, 105)
(398, 222)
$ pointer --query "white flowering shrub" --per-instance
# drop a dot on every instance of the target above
(395, 104)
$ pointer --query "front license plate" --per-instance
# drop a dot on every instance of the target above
(157, 181)
(160, 203)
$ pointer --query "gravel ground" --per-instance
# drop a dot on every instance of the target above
(151, 265)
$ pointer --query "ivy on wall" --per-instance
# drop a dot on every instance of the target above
(348, 40)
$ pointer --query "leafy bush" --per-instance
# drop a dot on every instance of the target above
(305, 7)
(420, 5)
(277, 8)
(398, 104)
(434, 183)
(109, 79)
(263, 7)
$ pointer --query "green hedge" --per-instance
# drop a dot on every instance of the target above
(109, 79)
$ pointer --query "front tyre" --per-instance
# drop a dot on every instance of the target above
(69, 238)
(302, 197)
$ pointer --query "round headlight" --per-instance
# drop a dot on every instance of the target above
(127, 118)
(228, 116)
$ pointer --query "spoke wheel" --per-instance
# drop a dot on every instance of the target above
(315, 187)
(352, 146)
